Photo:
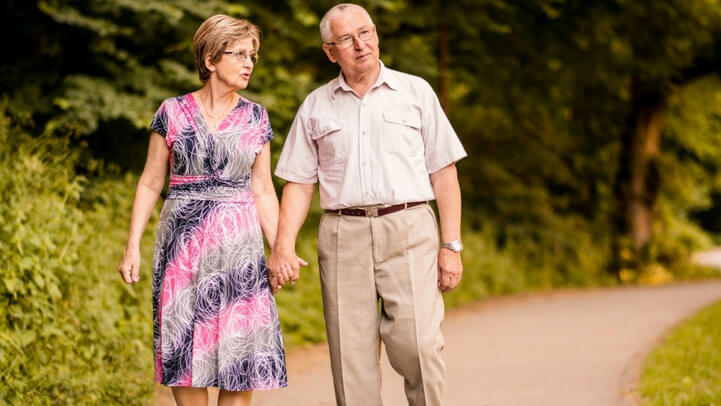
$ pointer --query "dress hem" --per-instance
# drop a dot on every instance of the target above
(231, 390)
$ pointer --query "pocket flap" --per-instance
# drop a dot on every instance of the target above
(410, 119)
(321, 128)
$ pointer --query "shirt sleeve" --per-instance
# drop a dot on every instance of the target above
(442, 146)
(298, 160)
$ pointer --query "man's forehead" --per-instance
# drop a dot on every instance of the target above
(348, 22)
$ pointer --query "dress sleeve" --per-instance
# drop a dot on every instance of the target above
(266, 130)
(160, 120)
(163, 123)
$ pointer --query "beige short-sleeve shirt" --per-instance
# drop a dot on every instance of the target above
(375, 150)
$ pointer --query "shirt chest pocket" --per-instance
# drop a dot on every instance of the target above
(402, 132)
(328, 137)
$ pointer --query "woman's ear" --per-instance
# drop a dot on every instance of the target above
(209, 63)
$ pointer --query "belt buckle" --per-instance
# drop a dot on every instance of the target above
(372, 212)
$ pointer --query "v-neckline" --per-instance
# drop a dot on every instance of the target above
(202, 121)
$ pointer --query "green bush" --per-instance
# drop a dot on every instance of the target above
(70, 331)
(528, 262)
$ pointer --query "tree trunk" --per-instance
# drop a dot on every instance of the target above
(637, 181)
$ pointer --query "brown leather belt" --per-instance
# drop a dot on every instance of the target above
(375, 211)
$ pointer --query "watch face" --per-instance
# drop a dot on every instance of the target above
(454, 246)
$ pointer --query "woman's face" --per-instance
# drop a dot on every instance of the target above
(235, 66)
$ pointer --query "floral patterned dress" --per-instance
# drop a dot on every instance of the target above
(214, 316)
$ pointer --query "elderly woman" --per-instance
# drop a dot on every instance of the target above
(215, 318)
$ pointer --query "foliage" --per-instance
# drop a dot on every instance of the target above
(527, 264)
(540, 92)
(686, 369)
(64, 316)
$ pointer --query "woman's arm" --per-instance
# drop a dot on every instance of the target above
(266, 201)
(150, 185)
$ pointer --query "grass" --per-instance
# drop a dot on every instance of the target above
(686, 369)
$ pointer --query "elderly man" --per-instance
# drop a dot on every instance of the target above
(380, 146)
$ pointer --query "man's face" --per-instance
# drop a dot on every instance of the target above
(362, 56)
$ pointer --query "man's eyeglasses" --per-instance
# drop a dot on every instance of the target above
(348, 40)
(242, 56)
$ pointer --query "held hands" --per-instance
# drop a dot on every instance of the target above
(129, 268)
(283, 267)
(450, 270)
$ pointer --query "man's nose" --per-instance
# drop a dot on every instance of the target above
(358, 43)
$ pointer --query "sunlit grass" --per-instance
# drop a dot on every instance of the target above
(686, 369)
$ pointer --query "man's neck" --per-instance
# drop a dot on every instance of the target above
(362, 82)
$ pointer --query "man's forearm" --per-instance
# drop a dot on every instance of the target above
(448, 197)
(293, 210)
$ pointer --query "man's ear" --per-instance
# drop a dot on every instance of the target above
(329, 53)
(209, 64)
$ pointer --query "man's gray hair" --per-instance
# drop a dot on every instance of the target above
(325, 32)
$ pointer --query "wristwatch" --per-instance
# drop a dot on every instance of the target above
(455, 246)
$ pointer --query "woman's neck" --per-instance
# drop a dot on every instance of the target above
(217, 98)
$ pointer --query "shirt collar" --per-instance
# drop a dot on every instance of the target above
(384, 77)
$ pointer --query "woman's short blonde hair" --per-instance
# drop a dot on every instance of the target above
(215, 34)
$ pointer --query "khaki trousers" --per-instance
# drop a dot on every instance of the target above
(393, 259)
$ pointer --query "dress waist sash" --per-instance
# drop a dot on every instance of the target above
(210, 188)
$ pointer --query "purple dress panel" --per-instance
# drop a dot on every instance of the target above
(214, 316)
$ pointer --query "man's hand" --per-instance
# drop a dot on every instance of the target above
(283, 264)
(279, 269)
(301, 263)
(450, 270)
(283, 267)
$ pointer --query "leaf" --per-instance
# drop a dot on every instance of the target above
(25, 338)
(39, 280)
(12, 285)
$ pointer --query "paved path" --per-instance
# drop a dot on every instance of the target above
(710, 258)
(559, 348)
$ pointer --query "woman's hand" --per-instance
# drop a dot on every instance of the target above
(147, 192)
(129, 267)
(280, 268)
(280, 273)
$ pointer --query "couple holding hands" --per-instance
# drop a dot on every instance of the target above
(380, 147)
